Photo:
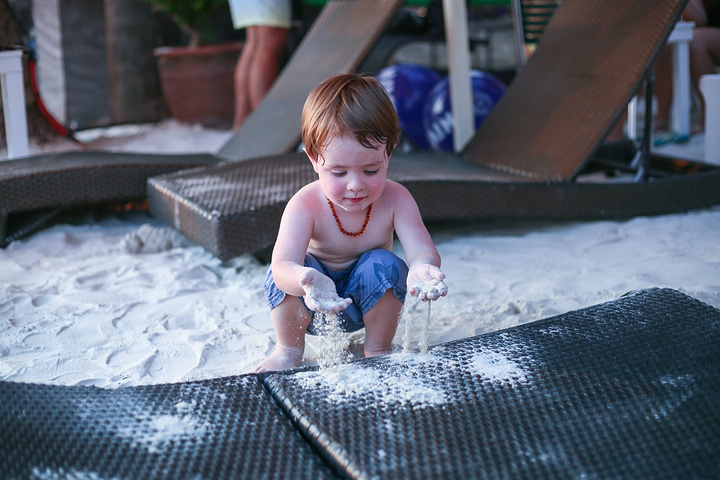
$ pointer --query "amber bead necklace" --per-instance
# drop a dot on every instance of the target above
(337, 220)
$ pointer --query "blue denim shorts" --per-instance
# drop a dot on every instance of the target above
(365, 282)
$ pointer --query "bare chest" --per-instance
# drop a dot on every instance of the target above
(338, 240)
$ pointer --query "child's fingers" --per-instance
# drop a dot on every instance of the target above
(343, 304)
(429, 272)
(327, 304)
(429, 290)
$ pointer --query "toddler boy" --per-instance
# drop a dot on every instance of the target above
(333, 251)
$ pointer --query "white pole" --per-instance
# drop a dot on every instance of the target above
(13, 100)
(710, 88)
(461, 100)
(680, 39)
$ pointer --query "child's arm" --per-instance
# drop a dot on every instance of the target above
(425, 279)
(288, 259)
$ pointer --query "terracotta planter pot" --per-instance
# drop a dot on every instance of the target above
(198, 84)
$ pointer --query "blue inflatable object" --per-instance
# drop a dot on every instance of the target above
(408, 86)
(437, 113)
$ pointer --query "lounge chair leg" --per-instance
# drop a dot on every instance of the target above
(642, 158)
(28, 224)
(3, 228)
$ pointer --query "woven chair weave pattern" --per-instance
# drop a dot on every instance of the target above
(69, 179)
(591, 60)
(626, 389)
(220, 429)
(235, 208)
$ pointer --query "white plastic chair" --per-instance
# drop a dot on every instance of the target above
(710, 88)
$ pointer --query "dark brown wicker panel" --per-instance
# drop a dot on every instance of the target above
(589, 63)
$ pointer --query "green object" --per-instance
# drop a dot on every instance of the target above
(410, 3)
(490, 2)
(189, 15)
(424, 3)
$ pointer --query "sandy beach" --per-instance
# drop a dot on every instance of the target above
(125, 300)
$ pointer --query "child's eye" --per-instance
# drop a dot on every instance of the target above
(372, 172)
(337, 174)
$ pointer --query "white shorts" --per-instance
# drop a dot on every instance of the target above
(269, 13)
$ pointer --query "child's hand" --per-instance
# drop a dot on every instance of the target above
(320, 293)
(426, 282)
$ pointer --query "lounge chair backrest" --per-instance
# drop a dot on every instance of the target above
(592, 58)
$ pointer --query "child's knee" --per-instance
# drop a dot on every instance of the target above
(291, 311)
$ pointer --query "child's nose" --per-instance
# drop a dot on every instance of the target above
(355, 183)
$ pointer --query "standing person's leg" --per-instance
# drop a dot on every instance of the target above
(663, 94)
(704, 55)
(270, 43)
(259, 62)
(243, 70)
(663, 89)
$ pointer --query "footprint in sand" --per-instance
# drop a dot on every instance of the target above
(42, 300)
(175, 357)
(93, 281)
(130, 356)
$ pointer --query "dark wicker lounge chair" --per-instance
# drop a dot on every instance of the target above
(624, 389)
(522, 162)
(36, 188)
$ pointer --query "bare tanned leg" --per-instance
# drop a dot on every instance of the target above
(381, 322)
(290, 320)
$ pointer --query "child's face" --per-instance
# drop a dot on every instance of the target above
(352, 176)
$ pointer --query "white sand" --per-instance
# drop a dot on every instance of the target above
(87, 305)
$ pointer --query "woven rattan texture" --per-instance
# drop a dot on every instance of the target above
(77, 178)
(461, 199)
(338, 40)
(231, 208)
(626, 389)
(216, 429)
(588, 64)
(235, 207)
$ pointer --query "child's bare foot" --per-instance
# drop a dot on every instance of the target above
(282, 358)
(377, 352)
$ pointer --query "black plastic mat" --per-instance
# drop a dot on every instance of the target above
(216, 429)
(626, 389)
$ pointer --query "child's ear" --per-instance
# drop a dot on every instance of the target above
(312, 160)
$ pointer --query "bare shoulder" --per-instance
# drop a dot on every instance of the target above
(307, 198)
(297, 224)
(394, 191)
(303, 209)
(398, 198)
